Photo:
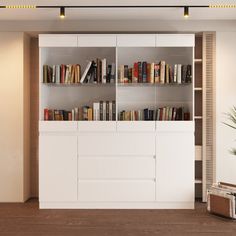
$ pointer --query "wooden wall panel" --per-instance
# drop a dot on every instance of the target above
(34, 104)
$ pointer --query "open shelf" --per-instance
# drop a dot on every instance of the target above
(153, 84)
(80, 84)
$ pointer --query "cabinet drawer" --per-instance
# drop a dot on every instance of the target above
(135, 126)
(175, 40)
(136, 40)
(96, 126)
(57, 126)
(102, 40)
(58, 40)
(116, 167)
(116, 191)
(116, 144)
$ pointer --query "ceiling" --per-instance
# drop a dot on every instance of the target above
(117, 14)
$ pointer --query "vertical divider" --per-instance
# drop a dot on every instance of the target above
(117, 64)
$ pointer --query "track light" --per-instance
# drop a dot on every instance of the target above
(62, 12)
(186, 12)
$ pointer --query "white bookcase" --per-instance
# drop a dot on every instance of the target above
(116, 164)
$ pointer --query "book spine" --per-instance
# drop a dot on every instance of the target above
(107, 110)
(152, 73)
(144, 72)
(135, 73)
(157, 73)
(179, 77)
(104, 70)
(113, 110)
(140, 75)
(162, 72)
(101, 110)
(113, 72)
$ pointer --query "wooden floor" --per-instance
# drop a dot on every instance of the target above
(26, 219)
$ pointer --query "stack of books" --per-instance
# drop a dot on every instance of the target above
(103, 111)
(162, 73)
(163, 113)
(95, 72)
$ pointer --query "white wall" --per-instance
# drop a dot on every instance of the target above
(12, 137)
(225, 99)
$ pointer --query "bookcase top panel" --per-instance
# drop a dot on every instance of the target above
(116, 40)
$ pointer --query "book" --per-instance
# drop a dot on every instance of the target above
(104, 111)
(167, 76)
(130, 73)
(63, 72)
(179, 76)
(140, 74)
(57, 74)
(144, 72)
(113, 73)
(90, 114)
(83, 77)
(99, 70)
(109, 67)
(152, 79)
(121, 73)
(96, 114)
(189, 74)
(175, 73)
(184, 74)
(148, 73)
(113, 110)
(162, 72)
(101, 110)
(126, 74)
(135, 73)
(157, 73)
(104, 70)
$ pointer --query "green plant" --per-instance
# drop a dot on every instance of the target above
(231, 116)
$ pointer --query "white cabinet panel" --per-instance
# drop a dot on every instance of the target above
(97, 126)
(135, 126)
(124, 167)
(175, 167)
(107, 144)
(57, 126)
(116, 191)
(136, 40)
(57, 168)
(96, 40)
(58, 40)
(175, 126)
(175, 40)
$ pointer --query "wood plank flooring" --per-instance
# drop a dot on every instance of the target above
(27, 220)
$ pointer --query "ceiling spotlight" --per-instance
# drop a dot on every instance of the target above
(186, 12)
(62, 12)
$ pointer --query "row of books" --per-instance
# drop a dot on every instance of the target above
(103, 110)
(163, 113)
(95, 72)
(163, 73)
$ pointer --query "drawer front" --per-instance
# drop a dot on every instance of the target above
(108, 144)
(58, 40)
(175, 40)
(97, 126)
(136, 126)
(116, 191)
(116, 168)
(103, 40)
(57, 126)
(136, 40)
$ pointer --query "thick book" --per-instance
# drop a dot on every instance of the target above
(104, 111)
(167, 75)
(184, 74)
(126, 74)
(109, 67)
(148, 73)
(83, 77)
(101, 110)
(90, 114)
(152, 80)
(54, 74)
(144, 72)
(45, 73)
(130, 73)
(140, 74)
(189, 74)
(96, 114)
(162, 72)
(179, 74)
(113, 73)
(175, 73)
(135, 73)
(107, 110)
(104, 70)
(157, 73)
(57, 74)
(46, 114)
(99, 70)
(121, 73)
(63, 72)
(113, 110)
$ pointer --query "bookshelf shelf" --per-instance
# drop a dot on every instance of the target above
(111, 163)
(97, 85)
(153, 85)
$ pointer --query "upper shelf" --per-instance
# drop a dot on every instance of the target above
(119, 40)
(153, 84)
(80, 84)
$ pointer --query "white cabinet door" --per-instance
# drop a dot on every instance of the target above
(57, 168)
(175, 166)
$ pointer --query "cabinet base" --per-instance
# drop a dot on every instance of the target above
(116, 205)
